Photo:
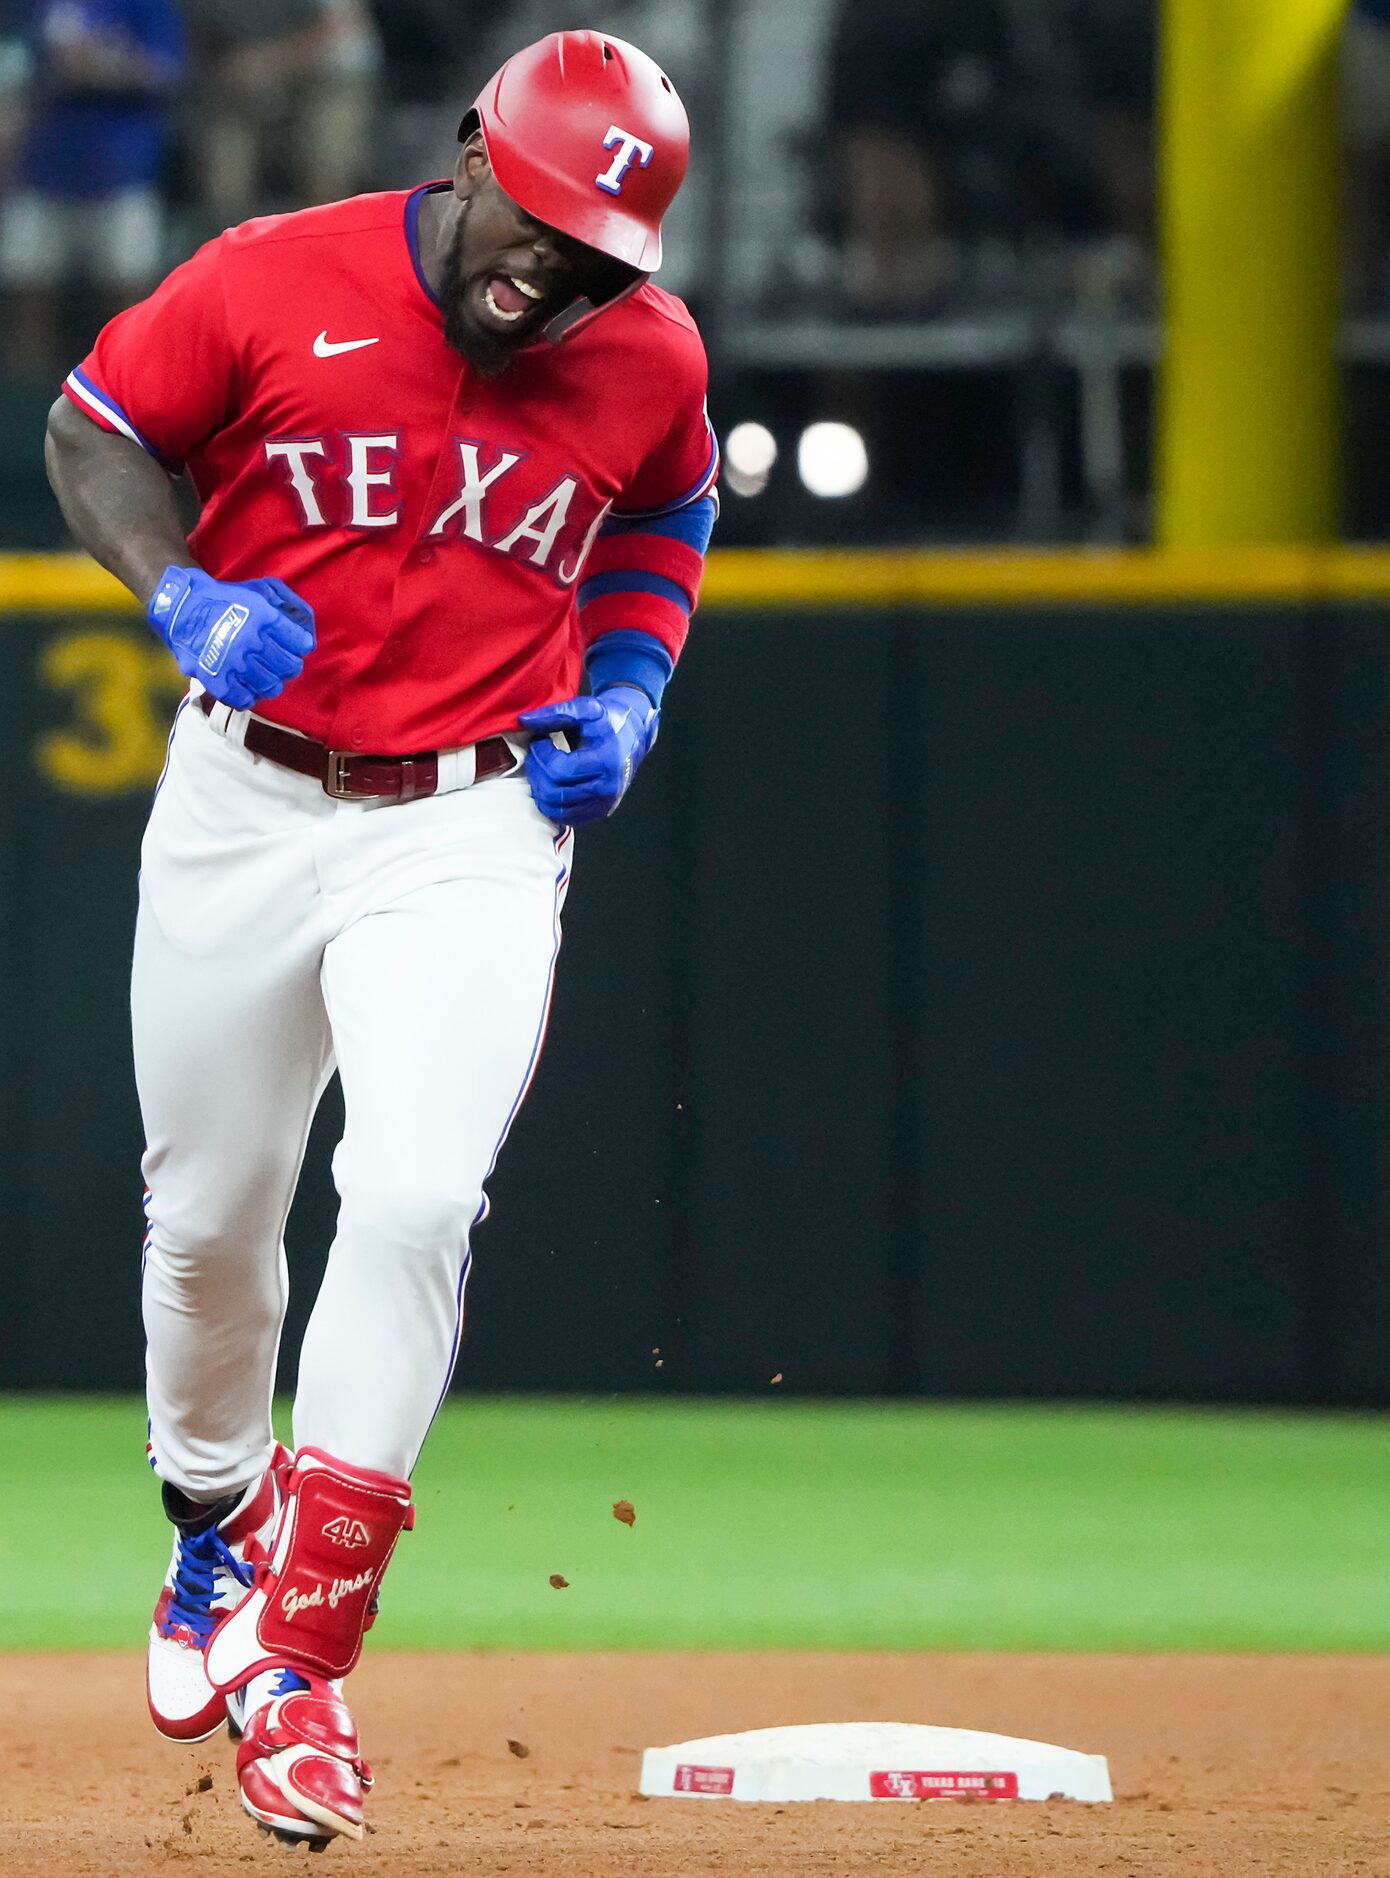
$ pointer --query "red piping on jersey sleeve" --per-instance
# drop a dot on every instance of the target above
(95, 402)
(90, 408)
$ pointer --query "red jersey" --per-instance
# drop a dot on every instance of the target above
(436, 520)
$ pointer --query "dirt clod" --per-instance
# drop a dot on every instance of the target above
(625, 1511)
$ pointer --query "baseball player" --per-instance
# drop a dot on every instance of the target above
(456, 483)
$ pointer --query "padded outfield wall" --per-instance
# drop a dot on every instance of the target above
(986, 990)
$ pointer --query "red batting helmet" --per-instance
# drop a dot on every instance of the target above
(587, 134)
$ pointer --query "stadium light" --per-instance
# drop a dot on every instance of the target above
(750, 450)
(832, 459)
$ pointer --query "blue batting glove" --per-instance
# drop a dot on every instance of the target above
(608, 737)
(242, 640)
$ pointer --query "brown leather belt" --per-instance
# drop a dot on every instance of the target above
(350, 778)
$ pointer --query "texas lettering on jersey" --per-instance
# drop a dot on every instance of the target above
(461, 539)
(352, 482)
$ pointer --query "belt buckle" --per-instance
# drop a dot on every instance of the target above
(335, 775)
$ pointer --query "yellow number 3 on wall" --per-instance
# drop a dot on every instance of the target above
(122, 692)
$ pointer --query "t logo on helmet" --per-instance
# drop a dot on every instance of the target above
(629, 149)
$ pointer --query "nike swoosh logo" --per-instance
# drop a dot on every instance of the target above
(326, 348)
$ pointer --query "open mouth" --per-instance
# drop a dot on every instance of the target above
(507, 299)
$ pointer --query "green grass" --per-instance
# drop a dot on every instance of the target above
(781, 1524)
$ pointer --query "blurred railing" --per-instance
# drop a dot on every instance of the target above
(1037, 347)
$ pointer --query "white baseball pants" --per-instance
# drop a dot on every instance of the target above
(281, 932)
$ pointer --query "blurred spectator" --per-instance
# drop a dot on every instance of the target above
(1366, 120)
(16, 71)
(435, 58)
(419, 49)
(919, 145)
(1116, 45)
(85, 205)
(983, 153)
(285, 102)
(972, 164)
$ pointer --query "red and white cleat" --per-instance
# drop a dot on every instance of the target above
(298, 1766)
(210, 1571)
(281, 1652)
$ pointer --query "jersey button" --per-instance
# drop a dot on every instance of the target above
(423, 556)
(356, 739)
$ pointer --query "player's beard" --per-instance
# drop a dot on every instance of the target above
(598, 280)
(489, 354)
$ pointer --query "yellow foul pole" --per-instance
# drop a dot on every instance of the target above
(1248, 427)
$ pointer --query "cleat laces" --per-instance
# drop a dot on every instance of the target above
(201, 1557)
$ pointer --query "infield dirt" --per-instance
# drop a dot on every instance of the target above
(1221, 1765)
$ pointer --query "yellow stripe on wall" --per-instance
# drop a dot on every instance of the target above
(750, 577)
(57, 583)
(845, 579)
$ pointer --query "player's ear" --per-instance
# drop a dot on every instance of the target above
(472, 167)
